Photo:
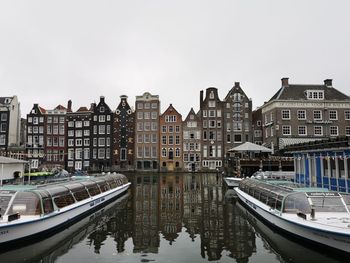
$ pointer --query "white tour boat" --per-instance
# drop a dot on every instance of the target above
(32, 211)
(313, 214)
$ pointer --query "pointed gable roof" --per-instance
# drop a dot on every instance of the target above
(171, 109)
(60, 107)
(194, 114)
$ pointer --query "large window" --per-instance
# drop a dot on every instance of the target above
(347, 115)
(286, 130)
(318, 130)
(333, 115)
(333, 130)
(302, 130)
(317, 115)
(301, 114)
(286, 114)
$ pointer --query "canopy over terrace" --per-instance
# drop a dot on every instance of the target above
(250, 148)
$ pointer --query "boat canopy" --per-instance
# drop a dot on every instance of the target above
(44, 199)
(288, 197)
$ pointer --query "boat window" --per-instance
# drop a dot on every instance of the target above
(271, 201)
(328, 204)
(47, 205)
(296, 203)
(81, 194)
(93, 190)
(103, 186)
(64, 200)
(4, 202)
(25, 203)
(112, 183)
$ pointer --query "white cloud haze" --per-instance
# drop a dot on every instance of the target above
(52, 51)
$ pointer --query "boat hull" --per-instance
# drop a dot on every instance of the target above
(321, 237)
(21, 231)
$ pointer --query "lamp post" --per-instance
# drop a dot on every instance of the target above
(29, 167)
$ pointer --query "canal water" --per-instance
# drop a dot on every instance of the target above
(169, 218)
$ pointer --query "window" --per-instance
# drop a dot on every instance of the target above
(154, 115)
(318, 131)
(171, 140)
(101, 141)
(164, 129)
(71, 124)
(164, 152)
(147, 115)
(177, 129)
(171, 128)
(347, 130)
(139, 138)
(301, 115)
(101, 118)
(333, 130)
(302, 130)
(163, 139)
(147, 105)
(333, 115)
(317, 115)
(286, 130)
(86, 123)
(177, 139)
(78, 124)
(177, 152)
(3, 127)
(347, 115)
(139, 106)
(286, 114)
(212, 103)
(101, 129)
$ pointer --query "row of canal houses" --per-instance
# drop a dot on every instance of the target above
(97, 138)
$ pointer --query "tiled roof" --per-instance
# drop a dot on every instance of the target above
(42, 110)
(82, 109)
(297, 92)
(60, 107)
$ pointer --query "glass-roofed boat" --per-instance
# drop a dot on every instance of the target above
(313, 214)
(27, 211)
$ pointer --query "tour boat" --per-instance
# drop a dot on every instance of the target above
(316, 215)
(31, 211)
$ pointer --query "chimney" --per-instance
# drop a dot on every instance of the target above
(102, 99)
(69, 106)
(201, 96)
(92, 106)
(285, 82)
(328, 83)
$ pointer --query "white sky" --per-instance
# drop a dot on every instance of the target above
(52, 51)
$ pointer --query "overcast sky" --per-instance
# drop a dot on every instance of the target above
(52, 51)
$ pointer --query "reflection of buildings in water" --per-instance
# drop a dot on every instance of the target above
(192, 202)
(115, 225)
(145, 222)
(239, 235)
(120, 227)
(171, 206)
(55, 246)
(212, 233)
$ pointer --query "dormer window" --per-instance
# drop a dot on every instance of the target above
(314, 94)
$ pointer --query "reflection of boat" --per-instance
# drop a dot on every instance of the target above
(232, 182)
(312, 214)
(28, 211)
(49, 249)
(285, 249)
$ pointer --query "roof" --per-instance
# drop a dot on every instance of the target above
(60, 107)
(283, 142)
(7, 160)
(250, 147)
(297, 92)
(82, 109)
